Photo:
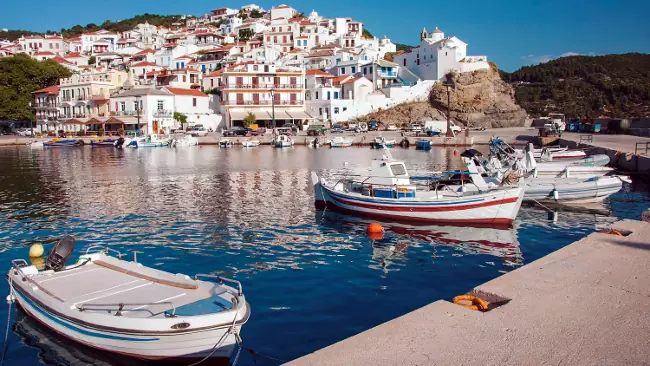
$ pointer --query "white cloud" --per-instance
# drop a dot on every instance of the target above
(567, 54)
(540, 59)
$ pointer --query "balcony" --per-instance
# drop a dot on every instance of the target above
(263, 102)
(126, 113)
(260, 86)
(162, 114)
(387, 74)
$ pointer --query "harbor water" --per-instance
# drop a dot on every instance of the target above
(312, 277)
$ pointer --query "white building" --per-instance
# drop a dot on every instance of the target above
(195, 105)
(152, 108)
(436, 56)
(99, 41)
(282, 11)
(263, 89)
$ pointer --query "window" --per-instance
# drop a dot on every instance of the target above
(445, 53)
(336, 110)
(328, 95)
(336, 95)
(193, 102)
(345, 109)
(161, 105)
(404, 61)
(255, 67)
(343, 71)
(140, 105)
(371, 69)
(212, 83)
(135, 105)
(354, 69)
(320, 111)
(122, 106)
(184, 78)
(365, 70)
(280, 29)
(316, 95)
(398, 169)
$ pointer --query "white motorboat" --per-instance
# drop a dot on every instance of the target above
(250, 143)
(130, 309)
(317, 142)
(387, 192)
(225, 143)
(182, 140)
(153, 140)
(340, 141)
(283, 141)
(562, 189)
(380, 142)
(36, 144)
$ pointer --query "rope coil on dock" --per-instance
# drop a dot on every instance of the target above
(476, 303)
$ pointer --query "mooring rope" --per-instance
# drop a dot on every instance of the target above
(223, 337)
(10, 301)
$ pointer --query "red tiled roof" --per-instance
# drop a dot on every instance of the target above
(305, 22)
(74, 54)
(45, 53)
(61, 60)
(144, 63)
(182, 91)
(184, 56)
(301, 37)
(145, 51)
(340, 78)
(73, 39)
(317, 72)
(350, 80)
(53, 90)
(214, 73)
(53, 37)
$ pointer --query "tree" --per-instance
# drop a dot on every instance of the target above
(92, 60)
(366, 34)
(20, 75)
(246, 34)
(180, 118)
(256, 14)
(250, 119)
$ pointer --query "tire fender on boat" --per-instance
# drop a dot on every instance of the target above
(476, 302)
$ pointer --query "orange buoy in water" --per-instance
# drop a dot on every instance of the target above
(375, 228)
(376, 236)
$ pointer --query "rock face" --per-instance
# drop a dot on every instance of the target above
(479, 99)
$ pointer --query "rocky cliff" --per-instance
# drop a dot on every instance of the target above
(479, 99)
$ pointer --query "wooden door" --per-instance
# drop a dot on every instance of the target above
(156, 126)
(256, 98)
(276, 82)
(256, 82)
(240, 98)
(239, 81)
(292, 98)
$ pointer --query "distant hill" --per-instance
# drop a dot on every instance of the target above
(403, 47)
(585, 86)
(119, 26)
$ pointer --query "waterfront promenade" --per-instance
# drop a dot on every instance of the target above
(585, 304)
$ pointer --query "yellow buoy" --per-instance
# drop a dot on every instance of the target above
(38, 262)
(36, 250)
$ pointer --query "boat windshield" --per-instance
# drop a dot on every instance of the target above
(398, 169)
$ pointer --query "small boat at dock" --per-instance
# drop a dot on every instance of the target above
(380, 142)
(424, 145)
(340, 141)
(283, 141)
(250, 143)
(107, 142)
(126, 308)
(62, 143)
(388, 192)
(225, 143)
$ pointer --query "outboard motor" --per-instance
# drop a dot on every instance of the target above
(60, 253)
(119, 142)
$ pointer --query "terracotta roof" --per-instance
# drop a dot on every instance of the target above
(144, 63)
(53, 37)
(214, 73)
(144, 52)
(61, 60)
(182, 91)
(301, 37)
(295, 19)
(184, 56)
(73, 39)
(305, 22)
(53, 90)
(340, 79)
(317, 72)
(350, 81)
(74, 54)
(46, 53)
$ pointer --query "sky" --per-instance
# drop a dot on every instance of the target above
(510, 33)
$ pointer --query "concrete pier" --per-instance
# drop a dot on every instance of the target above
(585, 304)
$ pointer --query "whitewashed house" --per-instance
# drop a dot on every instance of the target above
(196, 106)
(152, 108)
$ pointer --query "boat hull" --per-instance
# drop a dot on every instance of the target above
(186, 346)
(62, 143)
(571, 191)
(499, 207)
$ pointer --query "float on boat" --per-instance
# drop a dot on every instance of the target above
(387, 192)
(340, 141)
(129, 309)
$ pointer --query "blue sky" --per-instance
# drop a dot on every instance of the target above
(511, 33)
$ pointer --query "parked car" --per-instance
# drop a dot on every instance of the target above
(361, 127)
(316, 130)
(391, 127)
(337, 129)
(415, 127)
(257, 132)
(236, 131)
(373, 125)
(197, 130)
(430, 126)
(285, 130)
(352, 126)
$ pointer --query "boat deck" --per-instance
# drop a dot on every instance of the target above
(101, 286)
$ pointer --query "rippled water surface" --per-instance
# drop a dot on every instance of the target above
(312, 278)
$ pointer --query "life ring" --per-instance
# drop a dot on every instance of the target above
(477, 302)
(405, 143)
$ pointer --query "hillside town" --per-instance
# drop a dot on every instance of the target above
(281, 65)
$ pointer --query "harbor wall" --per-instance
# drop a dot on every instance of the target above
(624, 160)
(584, 304)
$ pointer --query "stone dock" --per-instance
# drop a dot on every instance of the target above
(585, 304)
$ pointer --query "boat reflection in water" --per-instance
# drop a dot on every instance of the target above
(498, 242)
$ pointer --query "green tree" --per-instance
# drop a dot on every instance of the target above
(20, 75)
(246, 34)
(180, 118)
(256, 14)
(92, 60)
(366, 34)
(250, 119)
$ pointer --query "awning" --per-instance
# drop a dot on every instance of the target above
(125, 120)
(240, 115)
(282, 114)
(299, 115)
(76, 121)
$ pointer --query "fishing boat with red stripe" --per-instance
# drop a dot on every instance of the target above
(389, 193)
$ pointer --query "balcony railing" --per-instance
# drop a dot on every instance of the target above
(125, 113)
(387, 74)
(261, 86)
(162, 114)
(263, 102)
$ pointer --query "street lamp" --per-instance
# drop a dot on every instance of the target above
(449, 86)
(31, 117)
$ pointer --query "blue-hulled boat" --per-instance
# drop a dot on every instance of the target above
(423, 145)
(62, 143)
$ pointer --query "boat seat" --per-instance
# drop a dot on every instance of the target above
(146, 273)
(210, 305)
